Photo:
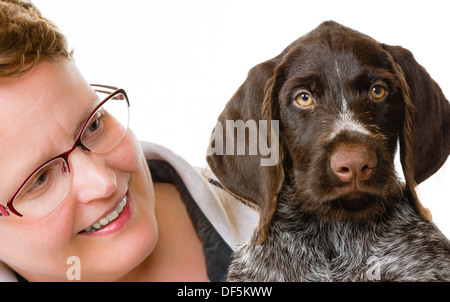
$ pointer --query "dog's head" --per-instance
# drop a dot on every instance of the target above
(343, 101)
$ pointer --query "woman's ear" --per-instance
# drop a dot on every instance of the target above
(425, 140)
(244, 151)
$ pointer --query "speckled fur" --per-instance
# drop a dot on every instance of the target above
(399, 247)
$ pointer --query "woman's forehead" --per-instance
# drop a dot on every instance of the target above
(50, 88)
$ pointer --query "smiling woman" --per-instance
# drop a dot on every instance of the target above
(76, 183)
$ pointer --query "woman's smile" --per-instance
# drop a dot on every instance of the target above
(112, 222)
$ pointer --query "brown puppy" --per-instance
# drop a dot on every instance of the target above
(332, 204)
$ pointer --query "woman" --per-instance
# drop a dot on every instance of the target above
(79, 200)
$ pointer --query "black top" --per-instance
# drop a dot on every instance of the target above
(217, 252)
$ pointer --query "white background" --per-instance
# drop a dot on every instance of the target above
(181, 61)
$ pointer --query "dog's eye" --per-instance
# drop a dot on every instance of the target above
(304, 99)
(377, 92)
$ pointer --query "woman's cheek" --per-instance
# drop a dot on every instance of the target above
(128, 155)
(44, 244)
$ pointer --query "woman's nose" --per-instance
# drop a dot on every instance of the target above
(91, 178)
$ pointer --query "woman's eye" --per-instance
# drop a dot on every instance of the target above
(37, 182)
(94, 125)
(40, 180)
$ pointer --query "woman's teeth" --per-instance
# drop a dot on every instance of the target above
(108, 218)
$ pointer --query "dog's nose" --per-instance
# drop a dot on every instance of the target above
(353, 164)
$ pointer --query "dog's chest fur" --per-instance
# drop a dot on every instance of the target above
(401, 247)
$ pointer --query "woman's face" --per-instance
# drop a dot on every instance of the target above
(41, 114)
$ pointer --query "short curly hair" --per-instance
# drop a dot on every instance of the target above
(25, 36)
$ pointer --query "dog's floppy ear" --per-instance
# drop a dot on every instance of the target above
(425, 141)
(245, 175)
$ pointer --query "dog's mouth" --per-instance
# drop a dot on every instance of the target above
(360, 206)
(349, 203)
(353, 195)
(351, 191)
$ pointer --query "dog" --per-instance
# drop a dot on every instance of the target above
(333, 207)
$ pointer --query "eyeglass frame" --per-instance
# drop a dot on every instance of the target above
(4, 211)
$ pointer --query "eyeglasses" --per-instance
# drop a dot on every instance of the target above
(47, 186)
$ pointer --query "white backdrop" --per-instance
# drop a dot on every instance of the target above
(181, 61)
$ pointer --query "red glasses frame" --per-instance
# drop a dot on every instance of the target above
(4, 211)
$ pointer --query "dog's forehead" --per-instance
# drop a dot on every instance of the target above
(344, 65)
(336, 51)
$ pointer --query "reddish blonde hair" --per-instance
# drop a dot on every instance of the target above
(25, 36)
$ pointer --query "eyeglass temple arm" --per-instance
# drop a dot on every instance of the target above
(3, 211)
(97, 86)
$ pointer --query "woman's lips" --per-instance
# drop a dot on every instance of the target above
(112, 222)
